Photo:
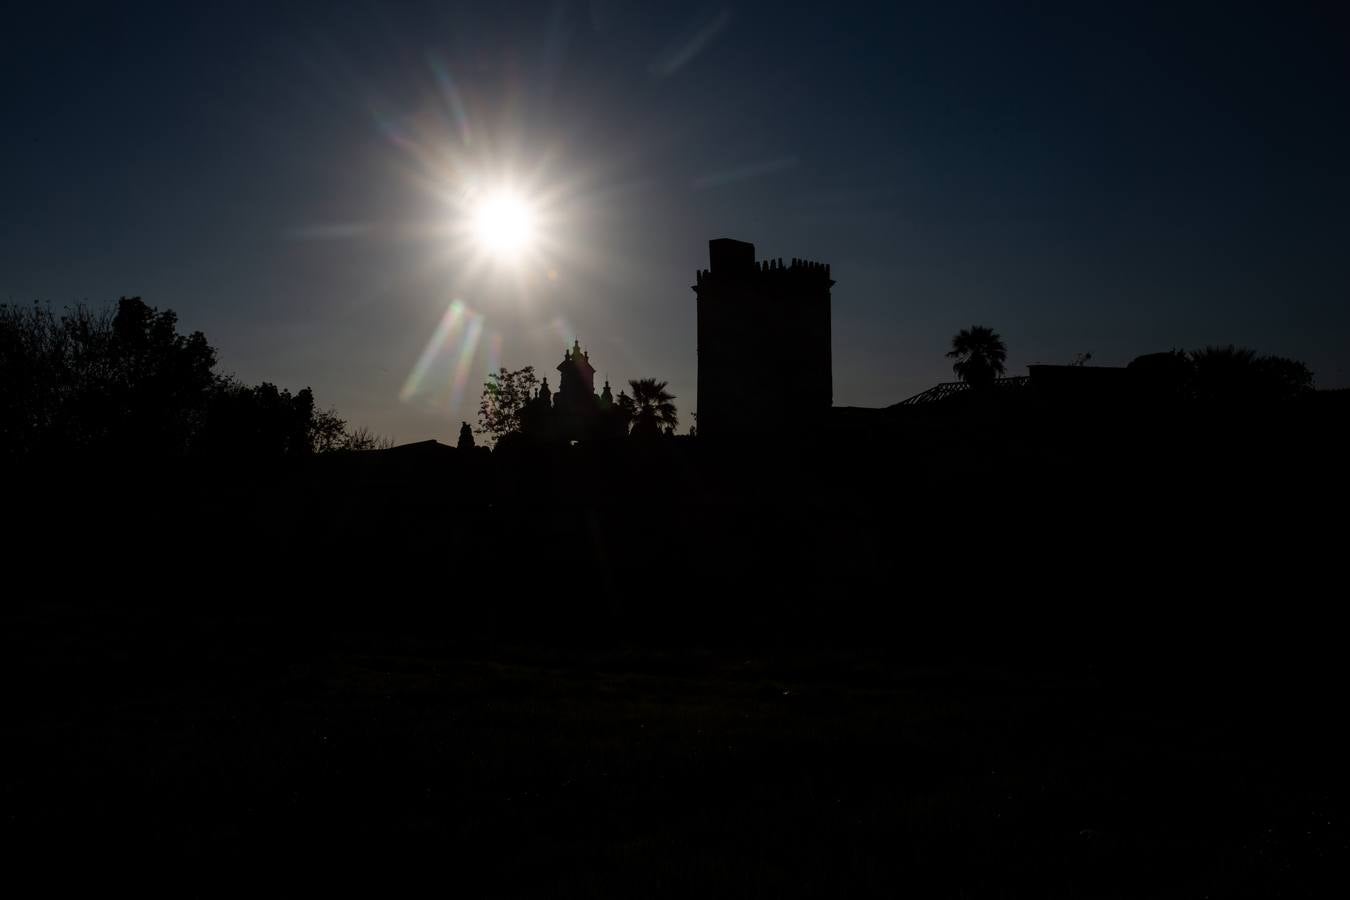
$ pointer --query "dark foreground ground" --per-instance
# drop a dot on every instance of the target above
(663, 675)
(724, 771)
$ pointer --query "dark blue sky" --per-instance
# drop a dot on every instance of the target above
(1081, 178)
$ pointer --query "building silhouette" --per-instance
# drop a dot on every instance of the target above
(764, 356)
(576, 404)
(575, 412)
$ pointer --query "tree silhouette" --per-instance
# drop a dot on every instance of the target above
(90, 379)
(262, 421)
(1231, 374)
(328, 432)
(979, 353)
(650, 408)
(505, 395)
(128, 382)
(362, 438)
(1285, 377)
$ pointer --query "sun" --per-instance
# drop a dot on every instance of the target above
(504, 224)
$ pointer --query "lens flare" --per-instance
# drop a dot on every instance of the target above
(453, 346)
(464, 364)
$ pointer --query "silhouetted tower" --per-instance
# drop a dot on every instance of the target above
(575, 406)
(576, 381)
(763, 343)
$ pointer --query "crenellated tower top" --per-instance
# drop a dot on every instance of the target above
(733, 259)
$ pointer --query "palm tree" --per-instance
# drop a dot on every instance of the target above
(650, 408)
(1225, 373)
(979, 353)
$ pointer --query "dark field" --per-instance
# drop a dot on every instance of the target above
(374, 676)
(630, 772)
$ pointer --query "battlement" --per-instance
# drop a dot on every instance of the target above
(803, 269)
(734, 259)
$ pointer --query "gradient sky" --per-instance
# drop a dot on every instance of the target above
(1081, 178)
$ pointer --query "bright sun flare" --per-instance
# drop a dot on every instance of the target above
(504, 224)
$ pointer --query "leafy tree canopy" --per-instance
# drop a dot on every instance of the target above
(128, 382)
(505, 395)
